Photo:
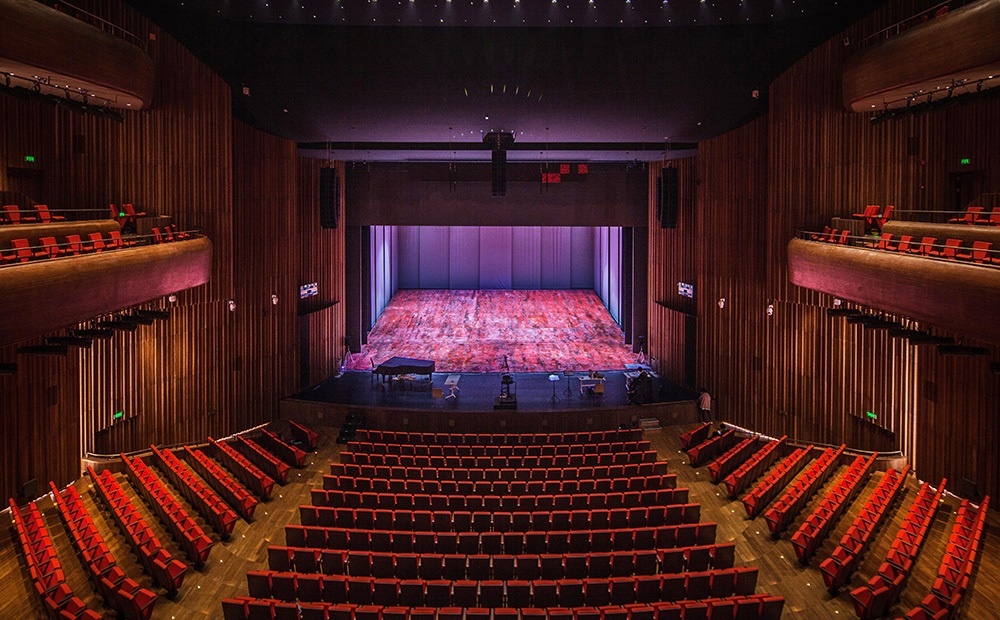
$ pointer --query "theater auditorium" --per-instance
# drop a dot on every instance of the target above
(499, 309)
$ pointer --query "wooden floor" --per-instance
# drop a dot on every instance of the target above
(780, 573)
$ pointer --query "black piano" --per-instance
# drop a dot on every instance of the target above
(396, 366)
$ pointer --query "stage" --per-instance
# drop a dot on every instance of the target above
(471, 331)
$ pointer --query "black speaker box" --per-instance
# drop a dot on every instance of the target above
(329, 198)
(668, 198)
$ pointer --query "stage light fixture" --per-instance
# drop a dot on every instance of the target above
(274, 299)
(172, 298)
(722, 303)
(232, 306)
(770, 309)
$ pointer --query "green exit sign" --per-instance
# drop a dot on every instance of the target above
(871, 416)
(118, 415)
(965, 161)
(29, 159)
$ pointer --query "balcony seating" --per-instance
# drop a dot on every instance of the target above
(166, 571)
(291, 455)
(837, 568)
(752, 468)
(502, 439)
(94, 243)
(733, 458)
(184, 529)
(823, 236)
(121, 593)
(483, 521)
(906, 244)
(957, 564)
(46, 572)
(16, 216)
(995, 217)
(978, 253)
(950, 249)
(886, 215)
(129, 216)
(358, 447)
(303, 435)
(51, 247)
(263, 459)
(177, 235)
(117, 242)
(45, 216)
(874, 599)
(248, 473)
(761, 495)
(696, 435)
(927, 247)
(817, 525)
(24, 252)
(707, 450)
(506, 483)
(196, 492)
(791, 503)
(512, 543)
(973, 215)
(869, 214)
(885, 243)
(232, 491)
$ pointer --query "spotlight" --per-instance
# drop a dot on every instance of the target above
(722, 303)
(172, 298)
(232, 306)
(770, 309)
(274, 299)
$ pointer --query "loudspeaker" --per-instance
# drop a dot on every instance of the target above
(329, 197)
(668, 198)
(499, 177)
(29, 490)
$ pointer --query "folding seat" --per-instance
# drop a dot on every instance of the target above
(461, 521)
(543, 594)
(518, 593)
(559, 520)
(723, 583)
(449, 613)
(490, 593)
(596, 592)
(533, 613)
(746, 579)
(411, 592)
(386, 592)
(424, 542)
(259, 584)
(406, 566)
(580, 520)
(430, 566)
(402, 542)
(501, 522)
(438, 593)
(393, 613)
(544, 503)
(383, 519)
(441, 521)
(468, 543)
(309, 587)
(561, 501)
(465, 593)
(513, 542)
(622, 590)
(279, 558)
(622, 563)
(536, 542)
(599, 565)
(479, 567)
(481, 521)
(557, 542)
(359, 590)
(697, 558)
(527, 567)
(491, 543)
(402, 520)
(503, 567)
(614, 613)
(476, 503)
(307, 560)
(477, 613)
(575, 565)
(359, 563)
(771, 607)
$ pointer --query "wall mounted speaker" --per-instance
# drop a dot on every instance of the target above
(668, 198)
(329, 197)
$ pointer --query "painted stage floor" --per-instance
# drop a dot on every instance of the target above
(472, 331)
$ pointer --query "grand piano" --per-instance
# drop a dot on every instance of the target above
(396, 366)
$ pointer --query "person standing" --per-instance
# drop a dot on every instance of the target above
(704, 405)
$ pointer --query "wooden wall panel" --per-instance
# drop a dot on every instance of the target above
(205, 370)
(798, 371)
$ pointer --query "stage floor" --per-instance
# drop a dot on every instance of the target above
(472, 331)
(477, 391)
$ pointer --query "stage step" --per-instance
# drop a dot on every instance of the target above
(649, 424)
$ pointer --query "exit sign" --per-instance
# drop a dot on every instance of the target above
(965, 161)
(29, 159)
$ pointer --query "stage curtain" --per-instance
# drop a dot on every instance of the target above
(582, 257)
(526, 257)
(434, 257)
(464, 257)
(556, 257)
(408, 243)
(383, 268)
(607, 268)
(495, 257)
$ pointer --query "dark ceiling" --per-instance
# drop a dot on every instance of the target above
(602, 80)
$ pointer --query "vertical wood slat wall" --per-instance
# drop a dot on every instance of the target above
(205, 370)
(798, 371)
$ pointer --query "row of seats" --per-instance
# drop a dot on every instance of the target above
(169, 234)
(777, 479)
(976, 215)
(248, 473)
(544, 461)
(195, 543)
(291, 455)
(752, 468)
(166, 571)
(537, 521)
(581, 472)
(956, 566)
(980, 252)
(502, 543)
(503, 487)
(791, 503)
(505, 503)
(874, 599)
(499, 439)
(12, 214)
(232, 491)
(695, 436)
(733, 458)
(709, 449)
(264, 460)
(750, 607)
(124, 595)
(479, 451)
(837, 568)
(43, 565)
(197, 493)
(21, 250)
(304, 436)
(313, 587)
(817, 525)
(832, 235)
(504, 567)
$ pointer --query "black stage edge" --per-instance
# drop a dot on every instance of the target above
(479, 391)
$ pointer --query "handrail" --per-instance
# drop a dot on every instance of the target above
(927, 14)
(803, 443)
(192, 444)
(127, 242)
(869, 242)
(97, 22)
